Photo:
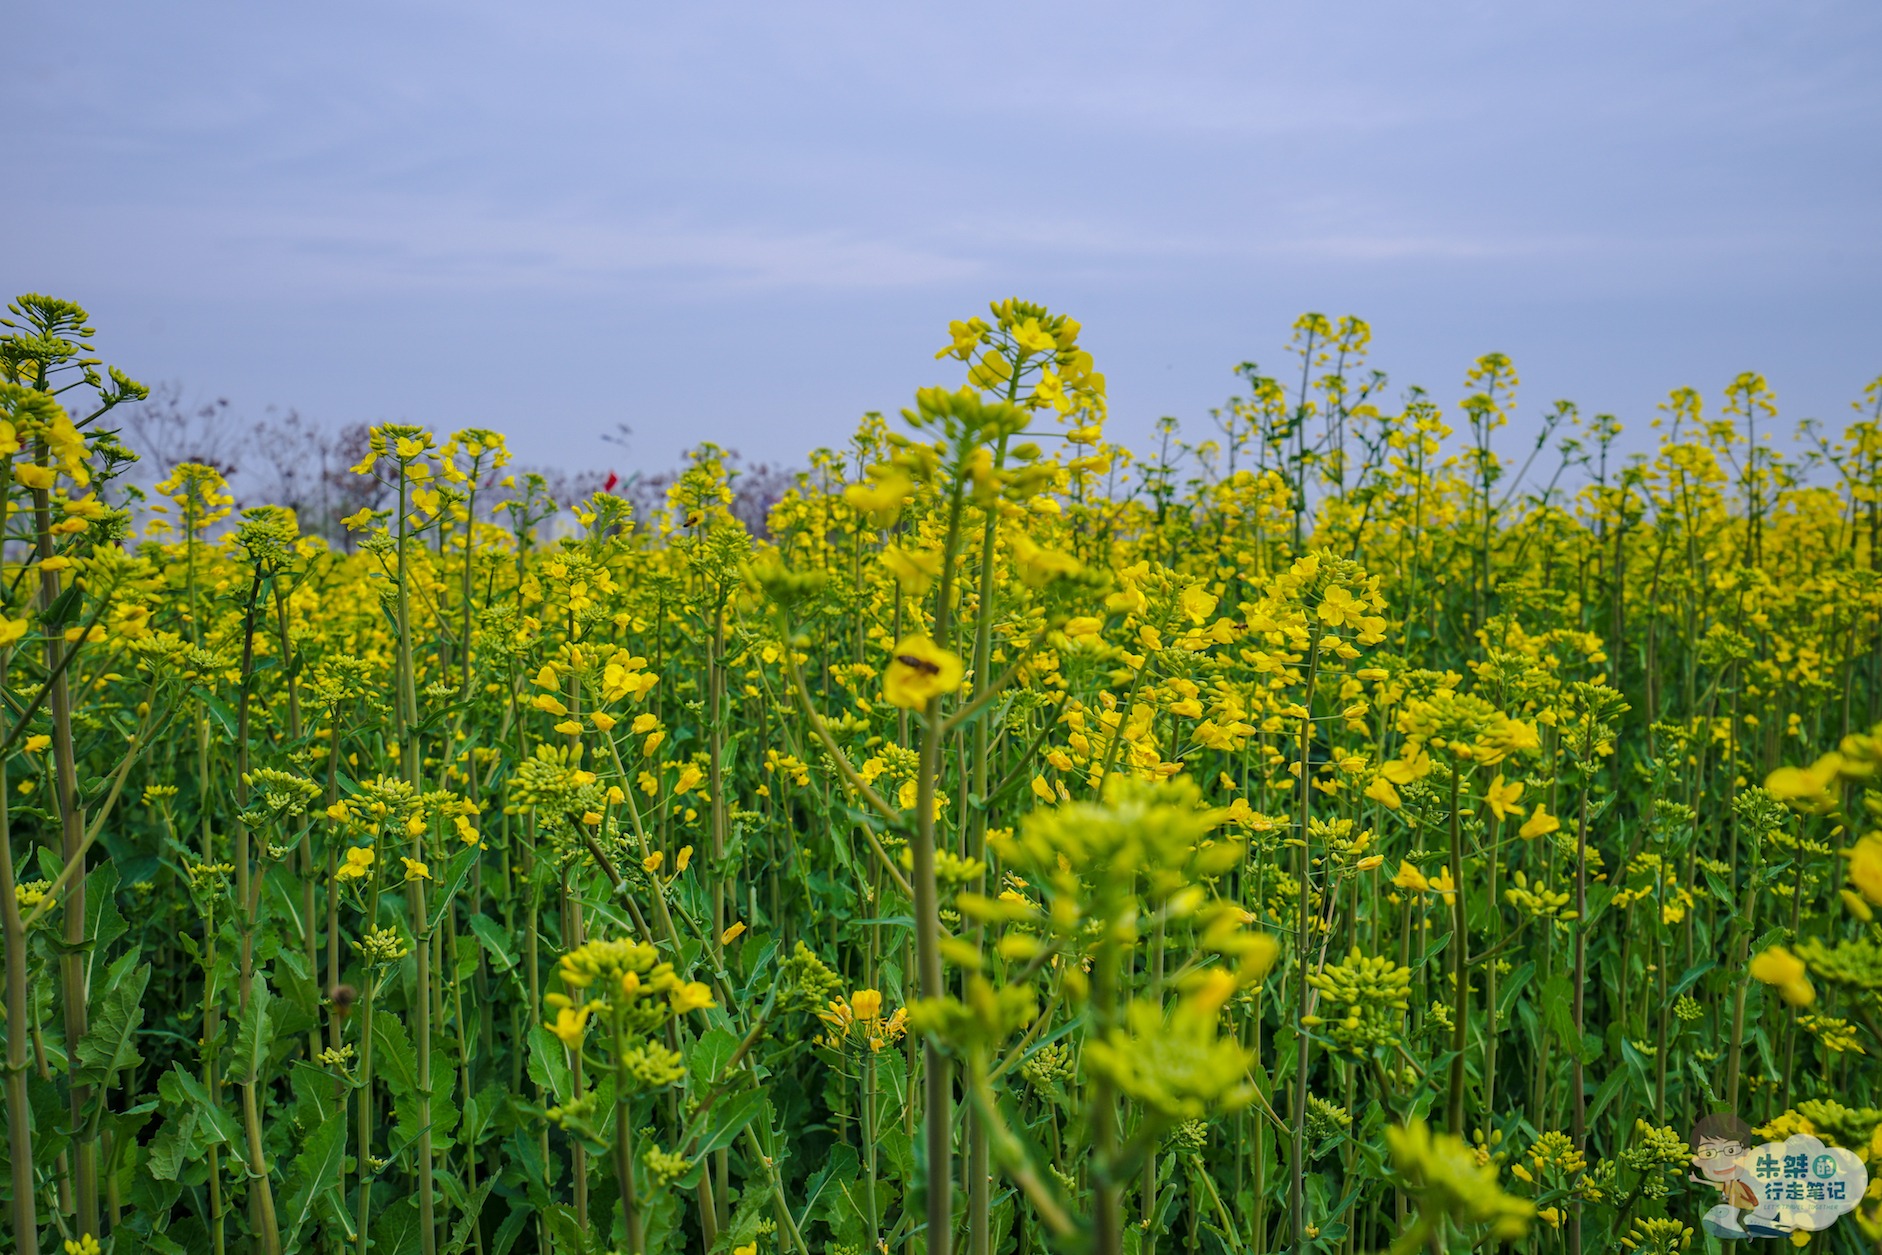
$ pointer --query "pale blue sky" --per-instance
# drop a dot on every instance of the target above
(752, 222)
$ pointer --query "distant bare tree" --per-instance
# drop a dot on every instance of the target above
(569, 489)
(755, 489)
(648, 495)
(289, 460)
(291, 464)
(164, 431)
(342, 492)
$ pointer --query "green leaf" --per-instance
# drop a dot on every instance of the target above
(490, 932)
(50, 1113)
(1609, 1090)
(63, 610)
(316, 1169)
(396, 1231)
(461, 1236)
(1518, 981)
(565, 1234)
(1692, 976)
(763, 969)
(103, 923)
(179, 1088)
(479, 1111)
(709, 1055)
(394, 1060)
(177, 1143)
(253, 1037)
(460, 868)
(549, 1064)
(409, 1113)
(746, 1218)
(1557, 1002)
(218, 709)
(1637, 1068)
(110, 1045)
(728, 1119)
(315, 1100)
(840, 1166)
(511, 1228)
(898, 1150)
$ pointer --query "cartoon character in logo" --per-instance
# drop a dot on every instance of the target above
(1719, 1142)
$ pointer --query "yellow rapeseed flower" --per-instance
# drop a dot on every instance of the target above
(691, 996)
(571, 1024)
(1501, 797)
(1778, 966)
(1865, 867)
(1539, 824)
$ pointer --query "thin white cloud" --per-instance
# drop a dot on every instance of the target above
(426, 246)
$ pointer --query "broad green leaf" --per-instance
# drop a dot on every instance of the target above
(461, 1236)
(490, 932)
(316, 1169)
(396, 1231)
(839, 1166)
(461, 865)
(218, 709)
(179, 1087)
(177, 1143)
(103, 923)
(110, 1044)
(549, 1064)
(253, 1037)
(728, 1119)
(709, 1054)
(393, 1059)
(511, 1228)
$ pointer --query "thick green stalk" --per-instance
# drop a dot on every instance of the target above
(1489, 971)
(872, 1215)
(1577, 1084)
(310, 935)
(366, 1174)
(74, 963)
(979, 1178)
(1148, 1194)
(19, 1113)
(1460, 965)
(1107, 1208)
(248, 900)
(1297, 1168)
(624, 1142)
(410, 760)
(937, 1077)
(1746, 928)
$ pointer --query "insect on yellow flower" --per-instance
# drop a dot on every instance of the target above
(920, 671)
